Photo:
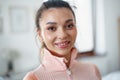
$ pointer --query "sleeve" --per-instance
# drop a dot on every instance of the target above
(30, 76)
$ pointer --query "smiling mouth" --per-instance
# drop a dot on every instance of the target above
(62, 45)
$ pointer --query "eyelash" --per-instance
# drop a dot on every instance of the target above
(52, 28)
(70, 26)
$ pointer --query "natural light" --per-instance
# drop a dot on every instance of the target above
(84, 24)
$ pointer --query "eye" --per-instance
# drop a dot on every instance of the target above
(69, 26)
(52, 28)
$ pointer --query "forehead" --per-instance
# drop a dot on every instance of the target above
(56, 13)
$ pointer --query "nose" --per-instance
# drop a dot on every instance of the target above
(62, 34)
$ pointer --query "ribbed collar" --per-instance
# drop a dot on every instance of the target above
(54, 63)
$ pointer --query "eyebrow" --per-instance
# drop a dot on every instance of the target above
(69, 20)
(51, 23)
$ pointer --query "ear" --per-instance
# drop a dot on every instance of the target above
(39, 35)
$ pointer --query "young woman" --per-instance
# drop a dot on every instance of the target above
(56, 28)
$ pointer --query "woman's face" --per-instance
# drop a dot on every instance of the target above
(58, 30)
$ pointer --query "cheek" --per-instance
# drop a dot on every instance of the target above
(73, 34)
(47, 37)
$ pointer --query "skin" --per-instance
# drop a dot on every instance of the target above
(58, 31)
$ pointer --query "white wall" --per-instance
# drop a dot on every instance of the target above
(111, 61)
(112, 12)
(25, 42)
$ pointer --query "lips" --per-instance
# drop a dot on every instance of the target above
(62, 45)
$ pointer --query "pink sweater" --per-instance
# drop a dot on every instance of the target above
(54, 68)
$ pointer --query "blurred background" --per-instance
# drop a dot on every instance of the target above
(19, 50)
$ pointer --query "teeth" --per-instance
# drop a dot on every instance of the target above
(62, 44)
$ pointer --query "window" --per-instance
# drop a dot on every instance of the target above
(85, 38)
(83, 12)
(90, 24)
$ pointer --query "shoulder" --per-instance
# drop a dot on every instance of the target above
(30, 76)
(86, 65)
(34, 74)
(93, 69)
(90, 68)
(97, 73)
